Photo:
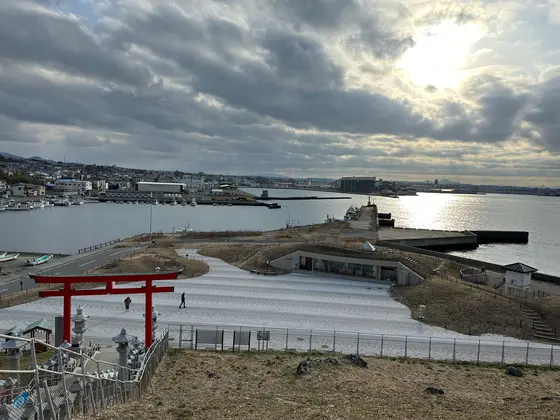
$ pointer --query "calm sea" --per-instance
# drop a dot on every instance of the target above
(66, 229)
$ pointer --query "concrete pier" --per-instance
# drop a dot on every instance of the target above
(427, 238)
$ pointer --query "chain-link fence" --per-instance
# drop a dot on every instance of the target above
(40, 381)
(483, 350)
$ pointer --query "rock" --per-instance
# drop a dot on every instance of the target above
(304, 367)
(514, 371)
(356, 360)
(547, 398)
(434, 391)
(211, 375)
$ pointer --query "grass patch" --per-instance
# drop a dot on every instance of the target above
(209, 385)
(468, 310)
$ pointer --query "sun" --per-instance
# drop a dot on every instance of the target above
(440, 54)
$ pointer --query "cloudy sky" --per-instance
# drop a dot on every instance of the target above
(415, 89)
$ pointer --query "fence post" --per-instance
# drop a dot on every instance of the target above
(180, 335)
(406, 346)
(287, 332)
(334, 342)
(551, 354)
(503, 351)
(61, 364)
(103, 406)
(478, 353)
(454, 348)
(430, 349)
(310, 338)
(527, 355)
(49, 399)
(358, 345)
(381, 353)
(37, 379)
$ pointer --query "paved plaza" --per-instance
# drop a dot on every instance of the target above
(231, 298)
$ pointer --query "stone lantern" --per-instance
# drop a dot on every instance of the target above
(80, 328)
(122, 340)
(155, 314)
(12, 352)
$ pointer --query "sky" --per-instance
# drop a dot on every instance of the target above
(409, 90)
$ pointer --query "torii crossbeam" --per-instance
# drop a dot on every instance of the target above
(109, 279)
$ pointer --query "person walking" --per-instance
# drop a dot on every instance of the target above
(127, 303)
(183, 304)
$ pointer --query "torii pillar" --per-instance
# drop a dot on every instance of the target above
(109, 279)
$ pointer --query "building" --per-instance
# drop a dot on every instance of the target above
(161, 187)
(99, 185)
(357, 184)
(358, 264)
(193, 182)
(518, 276)
(3, 185)
(19, 190)
(73, 185)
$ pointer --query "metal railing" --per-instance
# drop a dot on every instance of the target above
(98, 246)
(40, 381)
(473, 350)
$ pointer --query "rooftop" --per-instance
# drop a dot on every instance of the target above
(519, 267)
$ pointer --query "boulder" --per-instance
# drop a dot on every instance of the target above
(514, 371)
(356, 360)
(434, 391)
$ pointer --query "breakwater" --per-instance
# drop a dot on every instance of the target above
(485, 237)
(313, 197)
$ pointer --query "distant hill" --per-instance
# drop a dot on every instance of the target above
(10, 156)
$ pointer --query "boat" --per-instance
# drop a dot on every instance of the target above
(193, 202)
(39, 260)
(173, 203)
(3, 254)
(62, 203)
(8, 257)
(20, 207)
(273, 206)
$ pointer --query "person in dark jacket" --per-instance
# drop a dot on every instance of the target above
(183, 304)
(127, 303)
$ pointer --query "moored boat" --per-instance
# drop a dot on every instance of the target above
(38, 261)
(8, 257)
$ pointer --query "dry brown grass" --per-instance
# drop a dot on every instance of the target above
(256, 386)
(548, 308)
(164, 257)
(459, 307)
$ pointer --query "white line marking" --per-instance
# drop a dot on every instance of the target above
(92, 261)
(56, 274)
(3, 290)
(115, 253)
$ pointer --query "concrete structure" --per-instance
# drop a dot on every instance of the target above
(161, 187)
(518, 276)
(357, 184)
(99, 185)
(27, 190)
(427, 238)
(73, 185)
(19, 190)
(362, 265)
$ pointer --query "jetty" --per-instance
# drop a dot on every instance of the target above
(265, 197)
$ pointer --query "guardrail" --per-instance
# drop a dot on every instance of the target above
(98, 246)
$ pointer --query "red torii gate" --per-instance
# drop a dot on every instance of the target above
(109, 279)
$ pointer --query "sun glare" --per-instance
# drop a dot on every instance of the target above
(440, 53)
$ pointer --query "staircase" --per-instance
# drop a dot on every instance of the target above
(500, 284)
(540, 331)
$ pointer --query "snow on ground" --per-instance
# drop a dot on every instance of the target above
(231, 298)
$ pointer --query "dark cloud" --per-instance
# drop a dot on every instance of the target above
(255, 86)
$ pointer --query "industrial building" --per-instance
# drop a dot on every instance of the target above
(160, 187)
(357, 184)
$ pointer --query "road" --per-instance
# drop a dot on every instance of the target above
(71, 265)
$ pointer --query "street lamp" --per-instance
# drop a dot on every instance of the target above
(289, 221)
(151, 210)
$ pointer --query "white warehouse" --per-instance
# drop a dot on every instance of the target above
(160, 187)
